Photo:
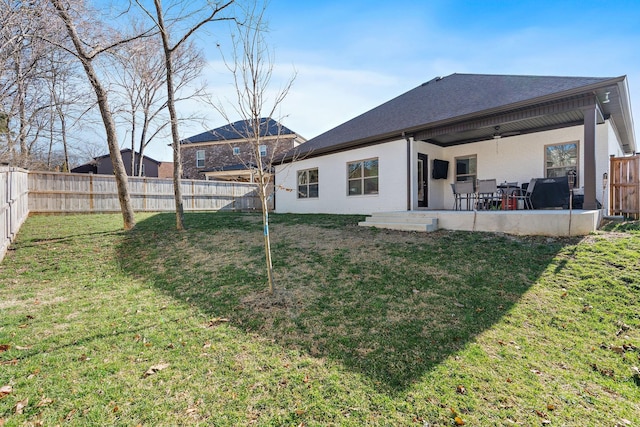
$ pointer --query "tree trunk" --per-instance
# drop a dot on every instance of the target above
(119, 170)
(175, 138)
(264, 201)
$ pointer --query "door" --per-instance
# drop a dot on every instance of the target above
(423, 189)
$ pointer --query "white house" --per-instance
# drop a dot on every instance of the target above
(404, 154)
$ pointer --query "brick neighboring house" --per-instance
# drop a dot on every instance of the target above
(165, 170)
(225, 153)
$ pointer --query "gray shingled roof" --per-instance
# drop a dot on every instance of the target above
(239, 130)
(441, 100)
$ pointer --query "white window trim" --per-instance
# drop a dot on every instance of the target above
(362, 178)
(455, 166)
(309, 183)
(577, 166)
(200, 153)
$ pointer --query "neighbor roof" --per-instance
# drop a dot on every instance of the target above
(124, 150)
(241, 129)
(462, 97)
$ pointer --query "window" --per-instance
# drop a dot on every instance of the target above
(561, 160)
(362, 177)
(200, 158)
(466, 168)
(263, 151)
(236, 150)
(308, 184)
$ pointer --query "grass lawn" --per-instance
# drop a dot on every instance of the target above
(157, 327)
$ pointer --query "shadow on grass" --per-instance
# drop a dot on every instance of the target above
(390, 305)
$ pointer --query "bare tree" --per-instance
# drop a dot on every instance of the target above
(68, 105)
(252, 70)
(140, 74)
(33, 78)
(86, 51)
(212, 12)
(23, 102)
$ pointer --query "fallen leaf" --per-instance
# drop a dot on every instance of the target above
(5, 390)
(617, 349)
(44, 402)
(21, 405)
(459, 421)
(4, 347)
(9, 362)
(509, 380)
(457, 304)
(551, 407)
(70, 414)
(460, 389)
(155, 368)
(23, 348)
(541, 414)
(217, 320)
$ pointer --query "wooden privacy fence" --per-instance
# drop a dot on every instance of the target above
(14, 207)
(55, 192)
(625, 186)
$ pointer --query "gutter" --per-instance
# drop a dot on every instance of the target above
(408, 139)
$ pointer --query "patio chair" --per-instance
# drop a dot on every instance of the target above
(487, 194)
(463, 191)
(525, 194)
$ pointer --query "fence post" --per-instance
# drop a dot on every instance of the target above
(91, 205)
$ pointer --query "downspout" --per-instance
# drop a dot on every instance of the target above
(408, 139)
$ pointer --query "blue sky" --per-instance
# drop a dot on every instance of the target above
(350, 56)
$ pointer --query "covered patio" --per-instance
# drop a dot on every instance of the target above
(401, 162)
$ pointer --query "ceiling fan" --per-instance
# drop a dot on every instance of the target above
(497, 134)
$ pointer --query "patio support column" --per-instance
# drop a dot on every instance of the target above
(590, 120)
